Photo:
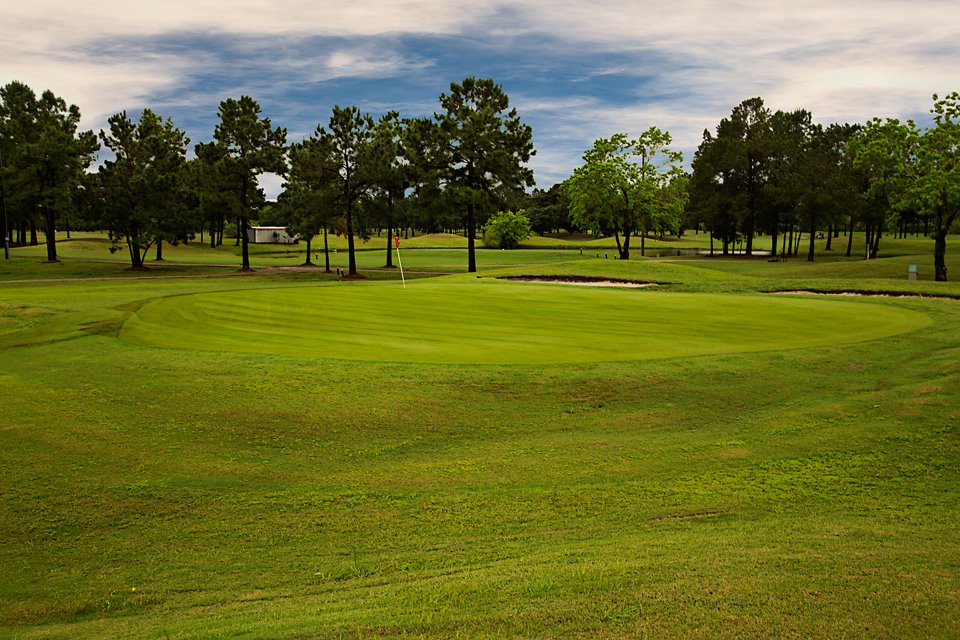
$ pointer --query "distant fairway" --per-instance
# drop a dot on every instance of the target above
(487, 322)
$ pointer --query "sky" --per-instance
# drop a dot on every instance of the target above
(575, 71)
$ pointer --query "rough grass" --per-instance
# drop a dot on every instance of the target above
(793, 493)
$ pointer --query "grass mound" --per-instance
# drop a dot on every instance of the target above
(492, 322)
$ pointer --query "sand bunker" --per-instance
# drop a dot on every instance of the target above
(581, 281)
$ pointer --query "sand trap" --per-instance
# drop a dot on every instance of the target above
(581, 281)
(866, 294)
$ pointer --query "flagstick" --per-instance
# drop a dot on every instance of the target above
(400, 263)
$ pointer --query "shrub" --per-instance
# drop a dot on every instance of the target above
(506, 230)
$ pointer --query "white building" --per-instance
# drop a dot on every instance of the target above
(270, 235)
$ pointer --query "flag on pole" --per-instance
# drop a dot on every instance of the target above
(396, 240)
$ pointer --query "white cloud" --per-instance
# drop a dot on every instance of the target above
(70, 22)
(845, 61)
(271, 183)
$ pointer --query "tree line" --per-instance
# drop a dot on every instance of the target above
(759, 172)
(448, 171)
(783, 174)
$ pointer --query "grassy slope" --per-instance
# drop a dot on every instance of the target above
(794, 493)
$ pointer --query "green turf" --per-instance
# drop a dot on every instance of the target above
(490, 322)
(810, 490)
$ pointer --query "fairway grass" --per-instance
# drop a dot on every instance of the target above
(804, 486)
(490, 322)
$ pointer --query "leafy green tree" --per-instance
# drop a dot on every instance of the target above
(427, 207)
(142, 184)
(350, 136)
(17, 129)
(482, 146)
(882, 153)
(246, 145)
(935, 173)
(731, 170)
(387, 170)
(824, 189)
(506, 230)
(788, 137)
(44, 155)
(548, 210)
(309, 195)
(628, 186)
(216, 190)
(711, 194)
(748, 130)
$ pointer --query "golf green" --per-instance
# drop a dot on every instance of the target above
(494, 322)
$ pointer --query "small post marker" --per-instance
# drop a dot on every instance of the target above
(396, 241)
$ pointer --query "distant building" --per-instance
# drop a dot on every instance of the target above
(270, 235)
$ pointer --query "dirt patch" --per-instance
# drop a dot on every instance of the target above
(582, 281)
(868, 294)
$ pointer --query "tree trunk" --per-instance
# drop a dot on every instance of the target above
(850, 238)
(751, 206)
(623, 248)
(242, 224)
(308, 263)
(244, 243)
(829, 238)
(6, 229)
(33, 234)
(159, 257)
(940, 255)
(790, 243)
(389, 230)
(136, 258)
(813, 236)
(941, 227)
(875, 249)
(471, 250)
(711, 243)
(351, 256)
(51, 220)
(326, 251)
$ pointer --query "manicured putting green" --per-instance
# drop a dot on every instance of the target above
(490, 322)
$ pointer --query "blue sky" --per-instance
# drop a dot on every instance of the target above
(575, 71)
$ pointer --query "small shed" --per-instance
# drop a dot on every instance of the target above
(270, 235)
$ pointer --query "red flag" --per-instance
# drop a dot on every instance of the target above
(396, 239)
